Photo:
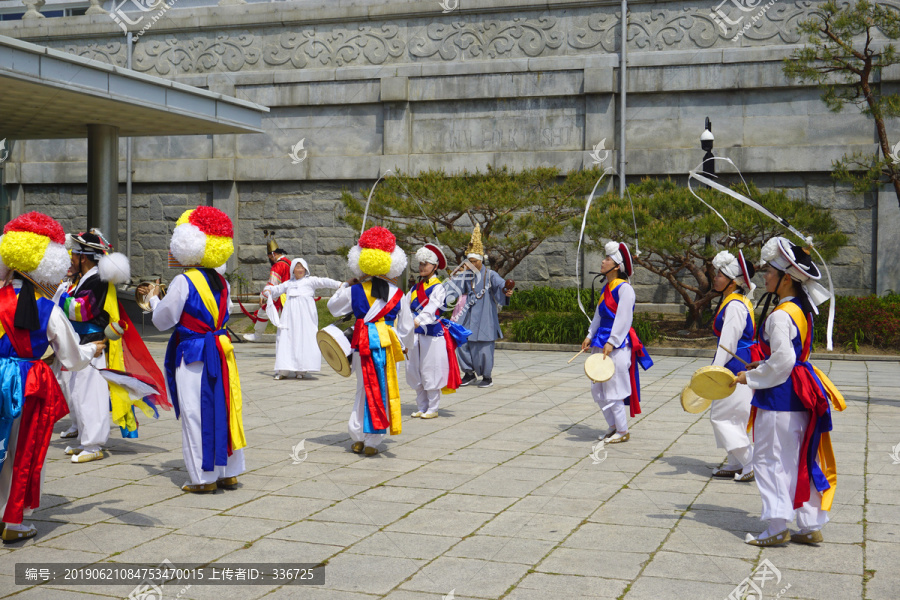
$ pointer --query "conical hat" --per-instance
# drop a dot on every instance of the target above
(475, 246)
(271, 244)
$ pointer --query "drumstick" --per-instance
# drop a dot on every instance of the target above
(576, 356)
(744, 362)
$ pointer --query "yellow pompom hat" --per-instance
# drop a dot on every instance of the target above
(377, 254)
(203, 236)
(34, 244)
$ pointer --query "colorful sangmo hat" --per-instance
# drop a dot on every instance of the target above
(203, 237)
(377, 254)
(34, 245)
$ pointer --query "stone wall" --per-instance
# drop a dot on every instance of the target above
(370, 85)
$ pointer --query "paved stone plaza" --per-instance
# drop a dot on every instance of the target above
(499, 497)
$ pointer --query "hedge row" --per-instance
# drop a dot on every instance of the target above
(570, 328)
(871, 320)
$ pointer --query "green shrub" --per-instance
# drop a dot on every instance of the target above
(569, 328)
(547, 299)
(646, 329)
(871, 320)
(546, 328)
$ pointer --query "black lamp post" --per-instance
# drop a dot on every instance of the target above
(706, 143)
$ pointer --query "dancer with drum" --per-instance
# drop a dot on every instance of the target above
(32, 252)
(383, 319)
(612, 334)
(200, 367)
(432, 365)
(296, 350)
(735, 326)
(792, 457)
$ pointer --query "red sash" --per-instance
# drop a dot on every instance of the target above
(453, 378)
(421, 296)
(19, 338)
(637, 349)
(609, 300)
(371, 385)
(814, 400)
(139, 362)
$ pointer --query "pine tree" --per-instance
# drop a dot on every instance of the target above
(847, 51)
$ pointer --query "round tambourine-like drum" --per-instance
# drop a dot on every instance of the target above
(693, 403)
(712, 382)
(336, 349)
(599, 368)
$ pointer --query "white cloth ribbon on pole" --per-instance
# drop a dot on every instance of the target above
(371, 192)
(587, 209)
(700, 176)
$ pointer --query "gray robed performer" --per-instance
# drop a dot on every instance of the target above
(484, 293)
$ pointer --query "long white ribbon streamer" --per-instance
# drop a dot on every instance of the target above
(587, 209)
(696, 174)
(366, 213)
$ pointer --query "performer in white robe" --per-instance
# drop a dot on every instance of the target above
(31, 400)
(735, 326)
(432, 367)
(296, 350)
(612, 334)
(383, 329)
(200, 369)
(793, 458)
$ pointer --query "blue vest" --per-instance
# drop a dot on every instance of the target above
(190, 344)
(607, 316)
(782, 397)
(360, 304)
(39, 341)
(435, 329)
(744, 344)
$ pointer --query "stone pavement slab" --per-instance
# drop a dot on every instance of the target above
(503, 496)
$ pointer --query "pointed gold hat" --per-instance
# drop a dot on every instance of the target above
(475, 246)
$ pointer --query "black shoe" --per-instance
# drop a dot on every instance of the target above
(468, 379)
(486, 382)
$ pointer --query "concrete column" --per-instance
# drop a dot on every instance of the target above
(103, 181)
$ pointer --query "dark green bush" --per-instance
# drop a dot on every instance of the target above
(569, 328)
(871, 320)
(550, 328)
(547, 299)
